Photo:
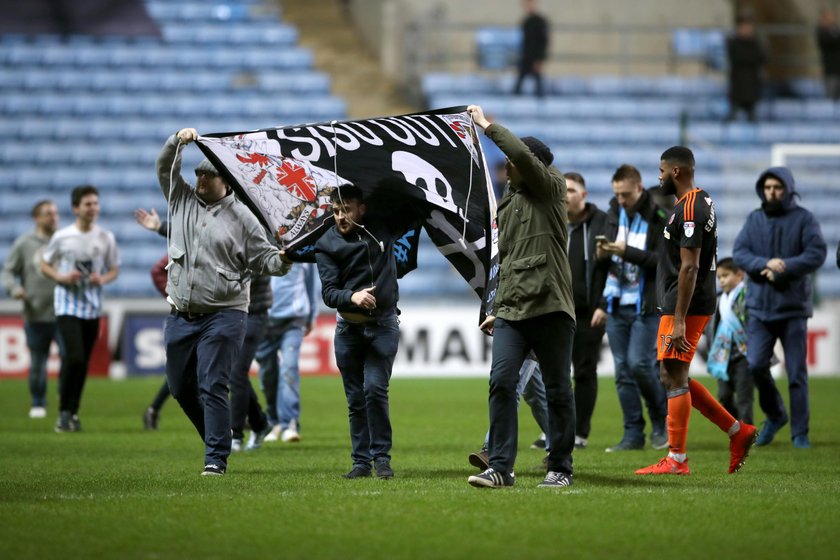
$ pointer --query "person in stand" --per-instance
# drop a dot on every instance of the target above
(81, 258)
(687, 295)
(23, 280)
(828, 41)
(533, 309)
(534, 49)
(358, 274)
(746, 61)
(216, 244)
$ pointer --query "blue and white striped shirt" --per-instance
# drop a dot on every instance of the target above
(88, 252)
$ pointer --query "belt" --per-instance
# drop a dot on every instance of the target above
(188, 315)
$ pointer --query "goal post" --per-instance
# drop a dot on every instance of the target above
(781, 153)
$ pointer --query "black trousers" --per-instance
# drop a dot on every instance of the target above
(585, 356)
(736, 395)
(550, 336)
(79, 336)
(243, 399)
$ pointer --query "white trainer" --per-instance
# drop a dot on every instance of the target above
(37, 412)
(274, 434)
(290, 434)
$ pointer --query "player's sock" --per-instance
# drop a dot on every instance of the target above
(702, 400)
(678, 457)
(679, 411)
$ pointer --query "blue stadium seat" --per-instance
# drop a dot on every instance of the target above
(497, 48)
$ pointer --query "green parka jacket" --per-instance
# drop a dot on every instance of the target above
(534, 277)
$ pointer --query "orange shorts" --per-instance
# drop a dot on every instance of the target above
(694, 326)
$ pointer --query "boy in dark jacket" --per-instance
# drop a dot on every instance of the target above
(728, 355)
(780, 247)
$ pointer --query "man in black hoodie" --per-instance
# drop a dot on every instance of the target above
(634, 224)
(358, 273)
(586, 223)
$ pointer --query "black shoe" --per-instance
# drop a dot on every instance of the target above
(491, 478)
(358, 472)
(75, 423)
(213, 470)
(150, 419)
(539, 443)
(556, 480)
(63, 423)
(625, 446)
(480, 459)
(383, 469)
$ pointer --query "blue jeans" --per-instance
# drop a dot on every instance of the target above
(364, 354)
(280, 377)
(39, 336)
(532, 389)
(550, 337)
(244, 403)
(761, 338)
(632, 339)
(201, 354)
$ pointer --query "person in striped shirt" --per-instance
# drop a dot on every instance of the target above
(80, 258)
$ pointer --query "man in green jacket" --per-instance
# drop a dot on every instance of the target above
(533, 308)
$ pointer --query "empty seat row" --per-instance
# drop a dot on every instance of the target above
(212, 11)
(22, 79)
(267, 34)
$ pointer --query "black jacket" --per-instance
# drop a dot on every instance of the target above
(647, 259)
(594, 223)
(347, 264)
(746, 59)
(828, 40)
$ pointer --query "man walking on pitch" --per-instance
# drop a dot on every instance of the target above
(687, 299)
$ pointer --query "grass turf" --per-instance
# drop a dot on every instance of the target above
(117, 491)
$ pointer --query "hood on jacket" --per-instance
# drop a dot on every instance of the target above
(784, 175)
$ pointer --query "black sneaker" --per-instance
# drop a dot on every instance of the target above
(63, 423)
(75, 423)
(358, 472)
(383, 469)
(625, 446)
(213, 470)
(556, 480)
(150, 419)
(491, 478)
(539, 443)
(480, 459)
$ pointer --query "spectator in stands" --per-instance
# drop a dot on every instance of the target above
(534, 49)
(80, 258)
(629, 299)
(727, 361)
(215, 245)
(780, 247)
(534, 307)
(290, 318)
(358, 273)
(589, 275)
(686, 297)
(746, 60)
(828, 40)
(23, 280)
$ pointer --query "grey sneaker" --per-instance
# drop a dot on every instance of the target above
(235, 445)
(556, 480)
(625, 446)
(75, 423)
(659, 440)
(63, 423)
(150, 419)
(480, 459)
(256, 439)
(383, 469)
(491, 478)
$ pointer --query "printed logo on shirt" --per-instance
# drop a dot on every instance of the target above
(671, 221)
(688, 229)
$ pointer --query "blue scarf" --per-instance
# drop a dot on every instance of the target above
(625, 280)
(730, 331)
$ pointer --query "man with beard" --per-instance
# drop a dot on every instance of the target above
(780, 247)
(687, 298)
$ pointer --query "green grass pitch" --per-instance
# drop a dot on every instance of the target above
(115, 491)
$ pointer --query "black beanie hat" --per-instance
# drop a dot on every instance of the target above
(539, 149)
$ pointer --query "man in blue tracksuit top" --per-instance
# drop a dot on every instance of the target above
(779, 247)
(358, 273)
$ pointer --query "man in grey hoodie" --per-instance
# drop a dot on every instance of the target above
(23, 280)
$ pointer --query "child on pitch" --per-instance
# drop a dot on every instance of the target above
(728, 353)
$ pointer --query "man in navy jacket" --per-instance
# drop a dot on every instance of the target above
(779, 247)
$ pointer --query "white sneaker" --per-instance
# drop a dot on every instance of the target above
(274, 434)
(236, 445)
(37, 412)
(290, 434)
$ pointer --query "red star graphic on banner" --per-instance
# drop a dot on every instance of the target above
(293, 176)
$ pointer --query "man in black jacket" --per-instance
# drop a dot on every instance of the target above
(586, 223)
(746, 59)
(534, 47)
(634, 225)
(828, 40)
(359, 278)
